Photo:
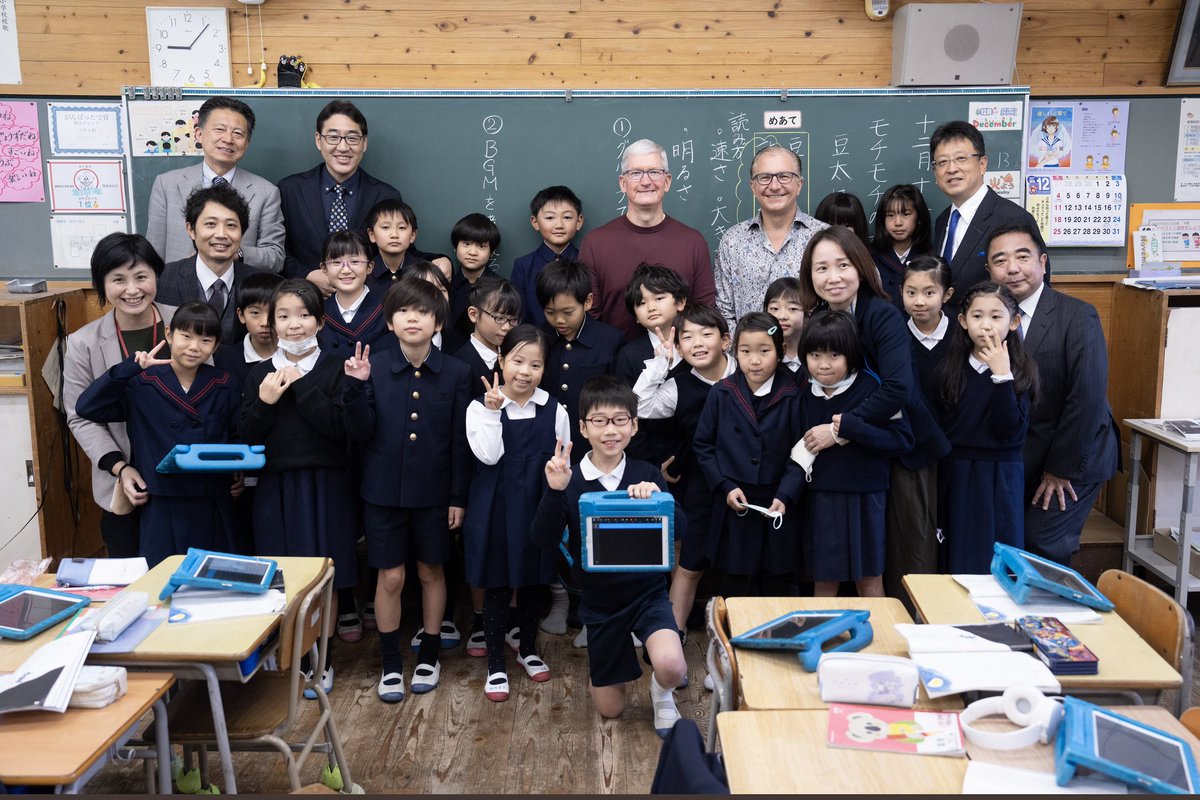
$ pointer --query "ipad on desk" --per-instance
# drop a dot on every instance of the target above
(811, 633)
(26, 611)
(1020, 573)
(206, 569)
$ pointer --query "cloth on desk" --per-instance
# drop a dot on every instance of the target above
(683, 765)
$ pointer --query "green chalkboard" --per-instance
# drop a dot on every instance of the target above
(452, 153)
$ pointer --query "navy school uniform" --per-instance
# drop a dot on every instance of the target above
(885, 343)
(696, 498)
(302, 504)
(411, 421)
(743, 441)
(982, 481)
(656, 439)
(369, 326)
(502, 502)
(458, 325)
(844, 536)
(382, 278)
(232, 358)
(469, 354)
(524, 276)
(593, 351)
(891, 273)
(184, 510)
(612, 604)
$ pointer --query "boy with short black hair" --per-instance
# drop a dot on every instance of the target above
(392, 228)
(557, 214)
(582, 346)
(476, 239)
(252, 302)
(408, 406)
(614, 604)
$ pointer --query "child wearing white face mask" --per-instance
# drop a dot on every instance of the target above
(290, 403)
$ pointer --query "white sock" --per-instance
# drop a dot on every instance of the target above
(581, 639)
(556, 620)
(665, 712)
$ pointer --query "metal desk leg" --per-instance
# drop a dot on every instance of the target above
(1182, 569)
(220, 731)
(1131, 498)
(162, 742)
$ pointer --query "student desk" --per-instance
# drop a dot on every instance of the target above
(1126, 661)
(774, 679)
(42, 748)
(784, 752)
(228, 649)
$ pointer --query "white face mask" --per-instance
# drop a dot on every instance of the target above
(298, 348)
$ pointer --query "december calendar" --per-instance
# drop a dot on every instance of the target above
(1079, 210)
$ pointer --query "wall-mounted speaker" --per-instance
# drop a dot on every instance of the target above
(968, 44)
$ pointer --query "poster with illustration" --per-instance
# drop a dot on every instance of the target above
(164, 127)
(96, 187)
(1084, 138)
(1050, 137)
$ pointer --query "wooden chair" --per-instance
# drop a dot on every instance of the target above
(722, 666)
(260, 713)
(1191, 720)
(1164, 624)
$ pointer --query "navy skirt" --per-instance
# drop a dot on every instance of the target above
(308, 512)
(982, 503)
(170, 525)
(845, 535)
(747, 544)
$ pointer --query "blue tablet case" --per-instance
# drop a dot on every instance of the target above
(1076, 746)
(809, 642)
(9, 590)
(632, 528)
(186, 575)
(213, 458)
(1031, 572)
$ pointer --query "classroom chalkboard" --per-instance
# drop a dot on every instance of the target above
(450, 154)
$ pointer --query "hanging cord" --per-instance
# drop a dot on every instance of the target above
(246, 17)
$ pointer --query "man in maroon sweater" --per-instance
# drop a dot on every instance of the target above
(644, 234)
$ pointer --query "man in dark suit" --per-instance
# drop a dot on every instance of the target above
(1072, 446)
(215, 219)
(333, 196)
(962, 231)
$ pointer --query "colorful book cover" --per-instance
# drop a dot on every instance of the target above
(895, 730)
(1058, 647)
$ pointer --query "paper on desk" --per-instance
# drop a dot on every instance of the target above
(997, 605)
(953, 673)
(946, 639)
(101, 571)
(45, 680)
(203, 605)
(986, 778)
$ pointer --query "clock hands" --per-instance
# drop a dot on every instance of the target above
(190, 46)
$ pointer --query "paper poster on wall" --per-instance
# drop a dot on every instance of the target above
(164, 127)
(1179, 231)
(1006, 183)
(1187, 153)
(86, 129)
(20, 153)
(1085, 138)
(87, 186)
(1079, 210)
(74, 237)
(10, 58)
(998, 116)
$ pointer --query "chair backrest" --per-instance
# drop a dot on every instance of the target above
(309, 626)
(1155, 615)
(722, 664)
(1191, 720)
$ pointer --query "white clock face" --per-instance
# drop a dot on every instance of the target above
(188, 46)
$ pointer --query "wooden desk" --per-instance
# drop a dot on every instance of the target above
(1126, 661)
(41, 748)
(784, 752)
(775, 679)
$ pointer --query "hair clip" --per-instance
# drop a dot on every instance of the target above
(771, 330)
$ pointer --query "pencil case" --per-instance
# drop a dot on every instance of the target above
(868, 678)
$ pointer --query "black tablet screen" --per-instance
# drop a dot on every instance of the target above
(1061, 576)
(235, 570)
(23, 611)
(1141, 750)
(791, 627)
(627, 541)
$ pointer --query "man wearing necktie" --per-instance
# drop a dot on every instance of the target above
(214, 219)
(959, 162)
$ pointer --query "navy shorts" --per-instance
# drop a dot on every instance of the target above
(392, 533)
(612, 658)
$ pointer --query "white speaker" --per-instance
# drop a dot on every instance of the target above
(955, 44)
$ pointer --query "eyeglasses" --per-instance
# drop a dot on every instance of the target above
(235, 133)
(764, 178)
(601, 421)
(334, 139)
(958, 161)
(353, 263)
(655, 175)
(502, 321)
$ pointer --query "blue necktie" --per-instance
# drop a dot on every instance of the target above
(948, 250)
(219, 181)
(338, 220)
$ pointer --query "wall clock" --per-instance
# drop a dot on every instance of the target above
(188, 46)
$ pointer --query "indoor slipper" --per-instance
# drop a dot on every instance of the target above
(349, 627)
(665, 717)
(425, 677)
(477, 644)
(326, 684)
(391, 687)
(535, 668)
(496, 688)
(450, 635)
(513, 639)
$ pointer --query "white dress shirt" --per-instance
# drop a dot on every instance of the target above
(303, 366)
(658, 396)
(485, 431)
(966, 213)
(931, 340)
(610, 481)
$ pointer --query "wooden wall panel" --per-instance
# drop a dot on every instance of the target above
(1066, 47)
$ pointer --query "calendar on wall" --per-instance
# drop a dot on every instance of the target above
(1079, 210)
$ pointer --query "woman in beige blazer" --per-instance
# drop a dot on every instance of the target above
(125, 270)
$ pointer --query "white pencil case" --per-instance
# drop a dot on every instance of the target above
(868, 678)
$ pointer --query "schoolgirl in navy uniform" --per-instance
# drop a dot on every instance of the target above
(354, 312)
(903, 231)
(303, 505)
(846, 494)
(783, 301)
(743, 439)
(988, 385)
(512, 431)
(165, 402)
(494, 309)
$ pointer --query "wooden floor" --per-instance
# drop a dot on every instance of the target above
(546, 739)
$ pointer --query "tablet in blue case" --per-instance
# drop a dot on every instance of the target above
(207, 569)
(213, 458)
(26, 611)
(623, 534)
(1020, 573)
(808, 631)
